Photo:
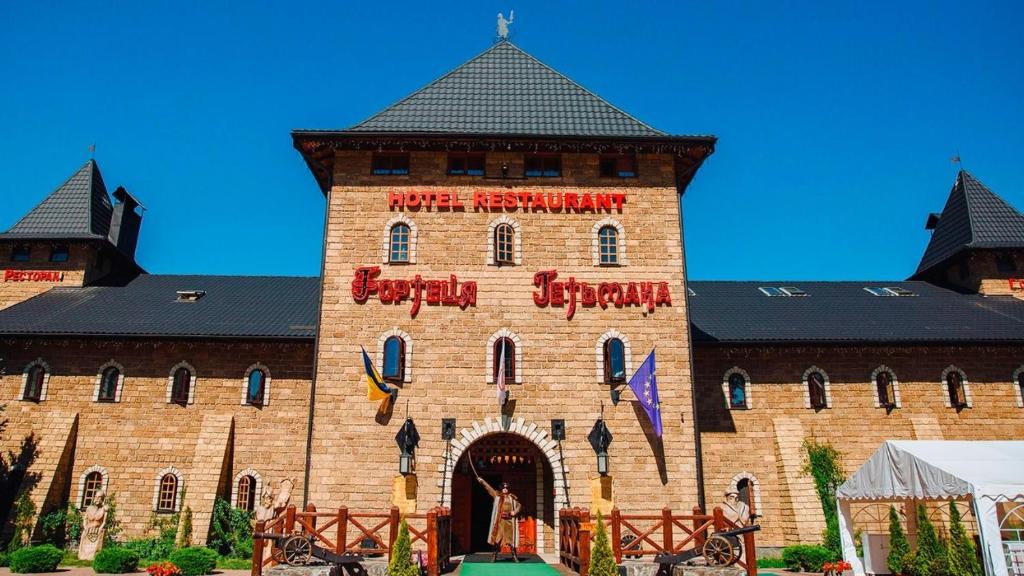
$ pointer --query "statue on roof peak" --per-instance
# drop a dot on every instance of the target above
(503, 24)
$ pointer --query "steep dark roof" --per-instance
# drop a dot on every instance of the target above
(504, 90)
(268, 307)
(78, 208)
(974, 217)
(843, 312)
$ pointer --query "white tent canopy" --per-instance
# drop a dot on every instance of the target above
(987, 471)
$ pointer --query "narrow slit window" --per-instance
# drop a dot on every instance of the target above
(816, 390)
(737, 391)
(955, 389)
(181, 386)
(34, 383)
(256, 387)
(394, 359)
(108, 384)
(886, 390)
(509, 347)
(614, 361)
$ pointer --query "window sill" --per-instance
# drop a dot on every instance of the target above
(106, 401)
(35, 400)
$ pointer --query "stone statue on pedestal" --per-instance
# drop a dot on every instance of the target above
(735, 509)
(93, 522)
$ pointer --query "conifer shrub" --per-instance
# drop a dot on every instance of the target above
(960, 552)
(194, 560)
(602, 559)
(930, 556)
(35, 559)
(899, 547)
(115, 560)
(401, 555)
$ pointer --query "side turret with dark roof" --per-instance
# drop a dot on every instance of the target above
(977, 242)
(75, 237)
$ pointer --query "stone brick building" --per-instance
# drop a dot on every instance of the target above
(501, 221)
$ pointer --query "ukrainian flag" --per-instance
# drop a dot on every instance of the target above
(376, 389)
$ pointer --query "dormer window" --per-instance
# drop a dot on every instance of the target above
(889, 291)
(59, 254)
(782, 291)
(21, 253)
(465, 164)
(618, 166)
(543, 166)
(390, 164)
(190, 295)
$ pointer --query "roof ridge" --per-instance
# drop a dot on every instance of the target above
(425, 86)
(967, 202)
(581, 87)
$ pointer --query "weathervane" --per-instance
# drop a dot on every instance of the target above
(503, 24)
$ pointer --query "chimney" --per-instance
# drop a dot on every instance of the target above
(125, 222)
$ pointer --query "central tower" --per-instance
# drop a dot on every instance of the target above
(502, 223)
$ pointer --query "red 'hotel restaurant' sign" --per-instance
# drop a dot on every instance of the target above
(508, 200)
(33, 276)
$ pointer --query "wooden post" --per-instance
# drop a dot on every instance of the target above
(257, 550)
(750, 554)
(666, 526)
(289, 519)
(719, 519)
(585, 542)
(342, 527)
(311, 515)
(395, 519)
(617, 535)
(432, 563)
(698, 535)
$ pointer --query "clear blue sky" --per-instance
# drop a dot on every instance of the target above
(836, 120)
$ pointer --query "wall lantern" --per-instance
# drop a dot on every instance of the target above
(407, 439)
(600, 438)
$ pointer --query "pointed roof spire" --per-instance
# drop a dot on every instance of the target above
(505, 91)
(78, 208)
(974, 217)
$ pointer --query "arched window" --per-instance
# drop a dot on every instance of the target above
(1018, 384)
(167, 500)
(955, 389)
(504, 244)
(608, 245)
(614, 361)
(181, 386)
(509, 347)
(109, 379)
(394, 359)
(816, 390)
(745, 489)
(92, 484)
(246, 498)
(35, 378)
(737, 390)
(399, 251)
(886, 390)
(256, 387)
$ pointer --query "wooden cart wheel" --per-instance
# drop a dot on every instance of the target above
(297, 550)
(276, 553)
(719, 551)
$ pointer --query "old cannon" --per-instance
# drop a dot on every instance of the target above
(300, 549)
(720, 549)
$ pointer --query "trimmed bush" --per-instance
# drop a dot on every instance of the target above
(35, 559)
(602, 559)
(401, 555)
(806, 557)
(194, 560)
(3, 560)
(115, 560)
(770, 562)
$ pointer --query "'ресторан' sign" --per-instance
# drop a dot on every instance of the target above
(492, 200)
(33, 276)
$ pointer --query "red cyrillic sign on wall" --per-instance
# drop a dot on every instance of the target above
(618, 294)
(33, 276)
(448, 292)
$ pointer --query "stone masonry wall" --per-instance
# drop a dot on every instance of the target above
(13, 291)
(140, 436)
(765, 442)
(354, 453)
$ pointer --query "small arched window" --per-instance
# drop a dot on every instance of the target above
(93, 483)
(109, 380)
(168, 497)
(885, 389)
(505, 348)
(181, 386)
(399, 244)
(816, 390)
(34, 381)
(614, 361)
(608, 245)
(256, 387)
(1020, 387)
(504, 244)
(955, 389)
(394, 359)
(745, 490)
(246, 493)
(737, 390)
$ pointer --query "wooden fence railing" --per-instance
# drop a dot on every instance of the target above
(645, 535)
(367, 533)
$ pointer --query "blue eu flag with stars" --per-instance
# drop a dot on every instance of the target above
(644, 384)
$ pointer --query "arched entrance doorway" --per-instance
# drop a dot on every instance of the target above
(503, 457)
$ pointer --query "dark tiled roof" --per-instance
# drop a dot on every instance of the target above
(505, 91)
(974, 217)
(843, 312)
(269, 307)
(78, 208)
